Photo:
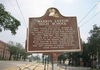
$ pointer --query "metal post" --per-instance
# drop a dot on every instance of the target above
(45, 63)
(54, 62)
(66, 67)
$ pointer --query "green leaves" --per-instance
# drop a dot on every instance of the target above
(94, 39)
(7, 21)
(17, 51)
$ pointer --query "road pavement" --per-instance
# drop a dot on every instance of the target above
(7, 64)
(22, 65)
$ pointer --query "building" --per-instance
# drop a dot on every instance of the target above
(4, 50)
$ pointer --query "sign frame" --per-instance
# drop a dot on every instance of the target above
(49, 51)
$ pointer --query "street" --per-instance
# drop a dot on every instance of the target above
(21, 65)
(7, 64)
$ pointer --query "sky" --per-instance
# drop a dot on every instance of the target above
(37, 8)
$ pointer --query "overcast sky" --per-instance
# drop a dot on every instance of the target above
(37, 8)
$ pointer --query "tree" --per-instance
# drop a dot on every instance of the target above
(17, 51)
(94, 41)
(86, 54)
(62, 58)
(12, 50)
(24, 54)
(7, 21)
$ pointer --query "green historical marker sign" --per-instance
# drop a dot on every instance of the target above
(53, 33)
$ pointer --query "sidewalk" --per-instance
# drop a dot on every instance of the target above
(40, 66)
(73, 68)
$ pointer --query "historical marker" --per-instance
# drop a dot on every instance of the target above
(53, 33)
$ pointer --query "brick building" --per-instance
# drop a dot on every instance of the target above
(4, 50)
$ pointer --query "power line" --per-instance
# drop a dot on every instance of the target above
(90, 19)
(20, 11)
(11, 6)
(87, 13)
(17, 10)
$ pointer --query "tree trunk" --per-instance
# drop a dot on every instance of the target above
(3, 53)
(10, 56)
(99, 58)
